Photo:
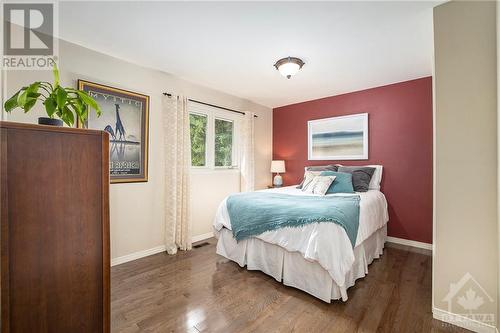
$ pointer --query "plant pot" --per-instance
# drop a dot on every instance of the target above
(50, 121)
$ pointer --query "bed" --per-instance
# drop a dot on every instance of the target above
(317, 258)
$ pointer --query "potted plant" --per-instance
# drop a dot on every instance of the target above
(67, 104)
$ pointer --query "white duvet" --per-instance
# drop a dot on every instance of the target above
(324, 243)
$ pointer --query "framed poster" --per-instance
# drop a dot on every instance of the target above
(338, 138)
(125, 117)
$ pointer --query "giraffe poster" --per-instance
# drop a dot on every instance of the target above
(125, 118)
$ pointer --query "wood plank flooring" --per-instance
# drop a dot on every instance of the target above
(199, 291)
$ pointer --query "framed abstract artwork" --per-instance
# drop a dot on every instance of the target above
(338, 138)
(125, 116)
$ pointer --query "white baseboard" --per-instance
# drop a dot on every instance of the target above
(194, 239)
(154, 250)
(464, 322)
(137, 255)
(408, 242)
(198, 238)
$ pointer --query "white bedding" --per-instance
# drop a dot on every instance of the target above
(324, 243)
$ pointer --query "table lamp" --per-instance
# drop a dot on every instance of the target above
(277, 167)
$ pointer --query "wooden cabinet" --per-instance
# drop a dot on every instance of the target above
(54, 229)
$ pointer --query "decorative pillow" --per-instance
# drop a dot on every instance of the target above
(319, 185)
(342, 182)
(318, 169)
(308, 178)
(361, 176)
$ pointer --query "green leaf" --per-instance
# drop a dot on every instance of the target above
(68, 117)
(22, 97)
(11, 103)
(29, 104)
(76, 105)
(33, 88)
(27, 96)
(61, 96)
(55, 71)
(34, 95)
(50, 106)
(89, 101)
(85, 112)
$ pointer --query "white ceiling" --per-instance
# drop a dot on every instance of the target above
(232, 46)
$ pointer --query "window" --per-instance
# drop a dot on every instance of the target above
(198, 130)
(214, 137)
(223, 143)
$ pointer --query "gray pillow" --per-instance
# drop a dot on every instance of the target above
(329, 167)
(361, 176)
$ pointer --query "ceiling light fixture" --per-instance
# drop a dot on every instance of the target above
(289, 66)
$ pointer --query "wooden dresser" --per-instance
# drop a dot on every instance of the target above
(54, 229)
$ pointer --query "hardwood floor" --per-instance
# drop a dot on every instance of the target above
(199, 291)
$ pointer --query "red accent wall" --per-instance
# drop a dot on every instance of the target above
(400, 139)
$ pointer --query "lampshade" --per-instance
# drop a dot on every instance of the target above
(278, 166)
(289, 66)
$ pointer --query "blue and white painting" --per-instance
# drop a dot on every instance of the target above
(339, 138)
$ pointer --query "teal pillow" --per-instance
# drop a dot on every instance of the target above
(342, 182)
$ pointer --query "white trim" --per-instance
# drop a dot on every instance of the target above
(498, 160)
(461, 321)
(434, 168)
(434, 171)
(408, 242)
(201, 237)
(137, 255)
(154, 250)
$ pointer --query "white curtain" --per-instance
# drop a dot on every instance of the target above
(248, 152)
(177, 147)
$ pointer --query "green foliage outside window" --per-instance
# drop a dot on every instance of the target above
(198, 130)
(223, 142)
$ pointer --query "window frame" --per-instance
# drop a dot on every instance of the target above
(213, 113)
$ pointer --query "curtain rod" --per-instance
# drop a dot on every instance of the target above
(212, 105)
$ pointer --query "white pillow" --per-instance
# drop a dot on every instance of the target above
(376, 178)
(319, 185)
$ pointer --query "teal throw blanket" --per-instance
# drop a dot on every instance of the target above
(253, 213)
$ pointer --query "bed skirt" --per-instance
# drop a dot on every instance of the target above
(293, 270)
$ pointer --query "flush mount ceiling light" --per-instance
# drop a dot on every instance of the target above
(289, 66)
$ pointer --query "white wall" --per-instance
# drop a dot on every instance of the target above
(137, 221)
(498, 163)
(466, 221)
(208, 190)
